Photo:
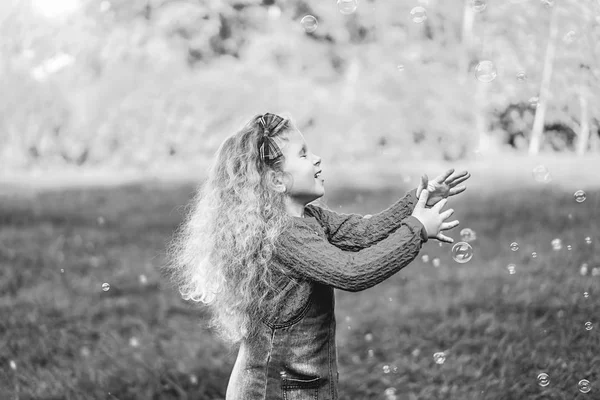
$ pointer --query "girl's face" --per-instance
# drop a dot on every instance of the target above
(302, 165)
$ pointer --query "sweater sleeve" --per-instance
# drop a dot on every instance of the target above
(309, 256)
(353, 232)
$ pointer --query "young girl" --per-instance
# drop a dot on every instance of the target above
(267, 262)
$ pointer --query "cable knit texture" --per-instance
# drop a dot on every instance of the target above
(348, 251)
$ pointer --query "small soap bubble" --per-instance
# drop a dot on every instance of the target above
(485, 71)
(586, 294)
(390, 393)
(309, 23)
(584, 386)
(356, 359)
(588, 326)
(541, 174)
(371, 353)
(560, 314)
(143, 279)
(478, 5)
(400, 67)
(543, 379)
(569, 37)
(579, 196)
(369, 337)
(435, 262)
(514, 246)
(62, 270)
(85, 351)
(534, 102)
(462, 252)
(418, 14)
(439, 357)
(588, 240)
(105, 287)
(394, 369)
(534, 254)
(13, 365)
(193, 379)
(425, 258)
(347, 7)
(101, 221)
(511, 268)
(416, 352)
(522, 76)
(547, 3)
(386, 369)
(347, 318)
(569, 247)
(583, 270)
(133, 342)
(556, 244)
(467, 235)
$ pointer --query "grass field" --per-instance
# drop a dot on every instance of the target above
(63, 337)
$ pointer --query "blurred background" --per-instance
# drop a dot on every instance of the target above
(112, 110)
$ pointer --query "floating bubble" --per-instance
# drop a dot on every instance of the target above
(514, 246)
(543, 379)
(586, 294)
(193, 379)
(386, 369)
(369, 337)
(511, 268)
(462, 252)
(347, 7)
(105, 287)
(439, 357)
(534, 254)
(101, 221)
(390, 393)
(583, 270)
(309, 23)
(522, 76)
(416, 352)
(588, 240)
(485, 71)
(400, 67)
(584, 386)
(579, 196)
(133, 342)
(569, 247)
(467, 235)
(418, 14)
(356, 359)
(560, 314)
(13, 365)
(371, 353)
(435, 262)
(534, 102)
(425, 258)
(541, 174)
(569, 37)
(556, 244)
(62, 270)
(143, 279)
(478, 5)
(85, 351)
(547, 3)
(588, 326)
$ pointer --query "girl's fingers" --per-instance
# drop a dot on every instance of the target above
(449, 225)
(444, 238)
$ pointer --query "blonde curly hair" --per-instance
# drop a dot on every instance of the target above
(221, 253)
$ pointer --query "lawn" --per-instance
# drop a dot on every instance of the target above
(63, 337)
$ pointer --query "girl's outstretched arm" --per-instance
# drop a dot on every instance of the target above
(307, 255)
(353, 232)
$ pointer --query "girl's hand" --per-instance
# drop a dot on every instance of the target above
(443, 186)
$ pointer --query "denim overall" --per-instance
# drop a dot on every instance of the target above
(295, 357)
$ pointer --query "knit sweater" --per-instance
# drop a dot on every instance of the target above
(348, 251)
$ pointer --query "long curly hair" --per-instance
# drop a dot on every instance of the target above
(221, 253)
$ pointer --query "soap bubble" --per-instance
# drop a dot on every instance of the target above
(534, 102)
(439, 357)
(462, 252)
(309, 23)
(435, 262)
(105, 287)
(467, 235)
(534, 254)
(514, 246)
(485, 71)
(556, 244)
(425, 258)
(543, 379)
(541, 174)
(588, 326)
(521, 75)
(418, 14)
(579, 196)
(584, 386)
(347, 7)
(588, 240)
(583, 270)
(478, 5)
(511, 269)
(400, 67)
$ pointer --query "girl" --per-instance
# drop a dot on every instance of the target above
(267, 262)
